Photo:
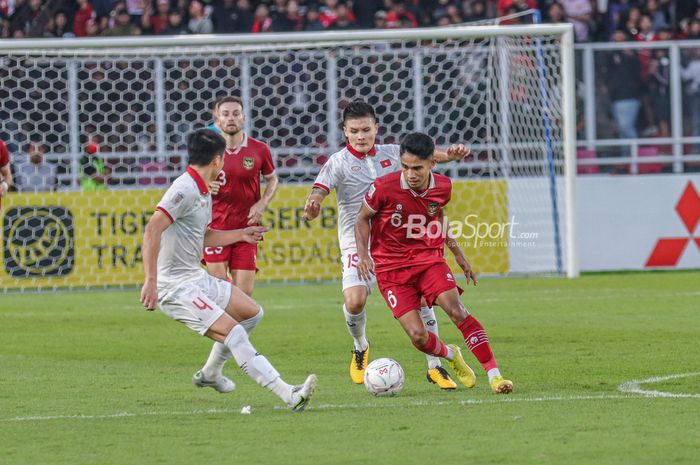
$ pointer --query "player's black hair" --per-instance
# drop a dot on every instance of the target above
(203, 145)
(358, 109)
(418, 144)
(227, 99)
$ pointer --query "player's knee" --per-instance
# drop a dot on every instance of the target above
(419, 336)
(354, 304)
(456, 311)
(250, 323)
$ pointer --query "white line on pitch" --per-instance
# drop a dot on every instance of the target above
(376, 404)
(634, 386)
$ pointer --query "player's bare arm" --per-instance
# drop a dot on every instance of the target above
(458, 253)
(158, 223)
(251, 234)
(313, 203)
(455, 152)
(365, 265)
(258, 209)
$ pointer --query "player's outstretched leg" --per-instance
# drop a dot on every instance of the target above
(262, 372)
(356, 322)
(235, 337)
(475, 338)
(436, 374)
(427, 342)
(211, 374)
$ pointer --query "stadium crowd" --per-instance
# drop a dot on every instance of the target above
(593, 20)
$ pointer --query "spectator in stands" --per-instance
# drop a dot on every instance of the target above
(363, 11)
(691, 75)
(245, 16)
(657, 15)
(556, 13)
(634, 15)
(155, 21)
(135, 9)
(476, 11)
(34, 175)
(226, 14)
(262, 21)
(380, 20)
(453, 14)
(311, 20)
(81, 17)
(199, 22)
(94, 172)
(122, 23)
(580, 14)
(60, 25)
(328, 13)
(659, 86)
(25, 15)
(343, 20)
(506, 7)
(399, 15)
(175, 25)
(624, 83)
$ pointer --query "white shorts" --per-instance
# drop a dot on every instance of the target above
(350, 276)
(197, 304)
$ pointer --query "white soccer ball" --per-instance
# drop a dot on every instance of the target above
(384, 377)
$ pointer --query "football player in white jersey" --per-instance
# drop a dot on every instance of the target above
(350, 172)
(172, 245)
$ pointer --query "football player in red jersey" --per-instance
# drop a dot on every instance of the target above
(404, 212)
(237, 201)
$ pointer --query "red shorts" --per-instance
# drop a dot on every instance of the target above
(239, 256)
(403, 288)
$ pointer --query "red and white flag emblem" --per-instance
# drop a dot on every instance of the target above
(385, 163)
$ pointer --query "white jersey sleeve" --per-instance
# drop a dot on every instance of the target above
(177, 201)
(330, 175)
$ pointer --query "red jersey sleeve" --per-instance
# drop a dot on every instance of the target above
(373, 197)
(4, 154)
(268, 166)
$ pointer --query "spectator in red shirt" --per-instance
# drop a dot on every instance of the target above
(155, 21)
(400, 16)
(262, 22)
(84, 13)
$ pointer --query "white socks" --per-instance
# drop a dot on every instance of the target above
(492, 373)
(428, 316)
(356, 327)
(255, 365)
(213, 369)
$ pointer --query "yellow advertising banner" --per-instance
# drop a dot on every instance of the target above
(79, 240)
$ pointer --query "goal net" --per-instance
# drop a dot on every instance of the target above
(506, 92)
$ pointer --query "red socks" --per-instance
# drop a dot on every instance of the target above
(434, 346)
(478, 342)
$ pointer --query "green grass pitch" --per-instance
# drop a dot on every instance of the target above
(92, 378)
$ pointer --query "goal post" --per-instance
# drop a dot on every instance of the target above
(505, 91)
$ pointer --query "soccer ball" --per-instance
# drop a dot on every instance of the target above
(384, 377)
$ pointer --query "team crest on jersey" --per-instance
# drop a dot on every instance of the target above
(385, 163)
(433, 208)
(179, 196)
(248, 163)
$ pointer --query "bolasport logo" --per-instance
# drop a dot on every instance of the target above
(668, 250)
(471, 232)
